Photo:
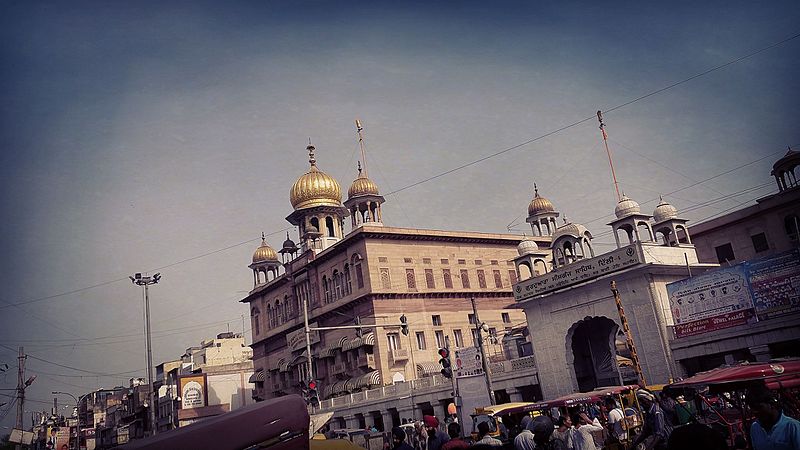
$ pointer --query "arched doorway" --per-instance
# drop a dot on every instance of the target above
(592, 341)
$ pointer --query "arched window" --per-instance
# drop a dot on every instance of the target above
(348, 282)
(278, 312)
(326, 289)
(287, 307)
(337, 285)
(256, 326)
(356, 259)
(270, 316)
(791, 224)
(329, 226)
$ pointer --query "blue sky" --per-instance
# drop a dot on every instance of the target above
(138, 135)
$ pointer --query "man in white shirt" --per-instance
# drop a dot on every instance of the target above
(583, 439)
(616, 420)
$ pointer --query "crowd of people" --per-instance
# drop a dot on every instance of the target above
(663, 428)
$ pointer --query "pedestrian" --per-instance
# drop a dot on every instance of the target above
(617, 430)
(484, 439)
(399, 440)
(455, 442)
(655, 424)
(565, 431)
(669, 405)
(696, 435)
(584, 427)
(543, 428)
(524, 440)
(436, 437)
(419, 438)
(772, 430)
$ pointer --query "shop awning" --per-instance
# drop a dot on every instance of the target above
(368, 380)
(258, 377)
(427, 369)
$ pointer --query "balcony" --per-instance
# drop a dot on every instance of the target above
(337, 369)
(367, 360)
(398, 354)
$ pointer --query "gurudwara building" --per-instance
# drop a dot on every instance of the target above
(374, 274)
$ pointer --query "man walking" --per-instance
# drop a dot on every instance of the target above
(655, 424)
(771, 430)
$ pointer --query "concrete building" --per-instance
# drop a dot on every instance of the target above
(376, 274)
(576, 328)
(763, 235)
(769, 227)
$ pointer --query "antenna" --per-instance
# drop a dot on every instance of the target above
(608, 152)
(360, 131)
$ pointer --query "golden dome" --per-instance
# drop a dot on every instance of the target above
(362, 186)
(315, 188)
(539, 204)
(264, 253)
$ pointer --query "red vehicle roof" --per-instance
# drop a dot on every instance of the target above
(580, 398)
(773, 373)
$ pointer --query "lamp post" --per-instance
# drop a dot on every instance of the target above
(77, 417)
(140, 280)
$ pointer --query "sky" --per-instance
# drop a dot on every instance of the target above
(164, 137)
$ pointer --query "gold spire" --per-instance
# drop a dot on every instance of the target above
(264, 253)
(539, 204)
(315, 187)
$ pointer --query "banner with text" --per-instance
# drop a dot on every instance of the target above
(775, 283)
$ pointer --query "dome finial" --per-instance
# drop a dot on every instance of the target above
(311, 158)
(535, 190)
(263, 237)
(359, 168)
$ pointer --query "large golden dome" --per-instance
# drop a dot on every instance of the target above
(264, 253)
(315, 188)
(539, 204)
(362, 186)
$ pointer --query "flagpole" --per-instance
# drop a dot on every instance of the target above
(608, 152)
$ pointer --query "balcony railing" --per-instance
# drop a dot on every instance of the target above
(367, 360)
(398, 354)
(336, 369)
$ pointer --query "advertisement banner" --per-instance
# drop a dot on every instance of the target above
(468, 362)
(713, 294)
(193, 389)
(775, 284)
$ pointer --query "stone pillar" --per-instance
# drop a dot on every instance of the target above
(440, 411)
(514, 394)
(761, 353)
(351, 421)
(369, 421)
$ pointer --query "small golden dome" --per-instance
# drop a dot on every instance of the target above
(539, 204)
(315, 188)
(362, 186)
(264, 253)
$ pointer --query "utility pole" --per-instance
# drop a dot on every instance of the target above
(479, 344)
(20, 391)
(628, 335)
(140, 280)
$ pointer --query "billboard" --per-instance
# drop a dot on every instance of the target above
(775, 283)
(194, 390)
(745, 293)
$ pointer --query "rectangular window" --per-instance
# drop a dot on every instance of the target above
(464, 279)
(725, 253)
(448, 281)
(478, 262)
(421, 340)
(386, 282)
(475, 337)
(458, 338)
(760, 243)
(498, 280)
(481, 279)
(429, 281)
(512, 276)
(494, 262)
(410, 280)
(359, 276)
(426, 260)
(383, 259)
(437, 320)
(471, 318)
(407, 260)
(506, 318)
(394, 339)
(493, 335)
(440, 339)
(445, 261)
(462, 261)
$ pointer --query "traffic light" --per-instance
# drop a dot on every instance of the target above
(312, 397)
(359, 331)
(447, 370)
(404, 325)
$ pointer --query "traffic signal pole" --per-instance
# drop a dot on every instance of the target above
(479, 344)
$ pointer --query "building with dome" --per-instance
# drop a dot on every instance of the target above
(374, 273)
(565, 290)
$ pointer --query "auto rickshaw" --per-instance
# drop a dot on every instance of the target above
(502, 419)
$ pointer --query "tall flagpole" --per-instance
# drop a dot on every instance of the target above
(608, 152)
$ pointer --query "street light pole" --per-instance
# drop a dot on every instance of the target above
(479, 334)
(140, 280)
(77, 418)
